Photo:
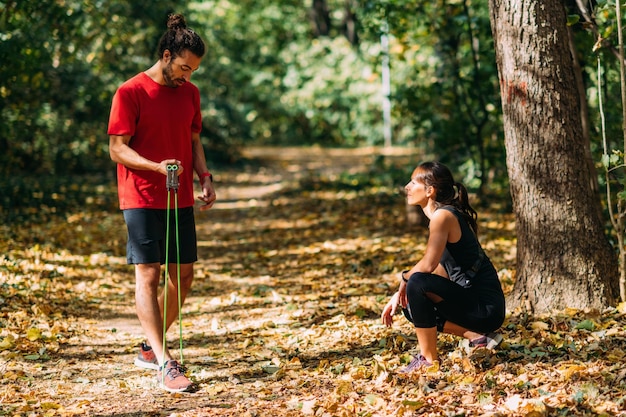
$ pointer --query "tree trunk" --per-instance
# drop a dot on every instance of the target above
(320, 18)
(563, 256)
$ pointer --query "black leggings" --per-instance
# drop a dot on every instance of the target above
(476, 309)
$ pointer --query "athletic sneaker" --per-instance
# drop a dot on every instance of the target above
(146, 358)
(174, 379)
(489, 341)
(416, 363)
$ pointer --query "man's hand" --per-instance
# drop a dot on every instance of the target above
(208, 195)
(163, 166)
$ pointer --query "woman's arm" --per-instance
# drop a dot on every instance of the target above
(444, 227)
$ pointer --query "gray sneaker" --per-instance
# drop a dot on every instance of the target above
(489, 341)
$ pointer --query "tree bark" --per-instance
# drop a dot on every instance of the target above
(320, 18)
(349, 22)
(564, 258)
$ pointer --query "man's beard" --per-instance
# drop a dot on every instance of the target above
(169, 79)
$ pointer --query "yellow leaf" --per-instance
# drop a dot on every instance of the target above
(539, 325)
(50, 406)
(33, 334)
(569, 370)
(294, 363)
(359, 372)
(344, 387)
(7, 343)
(468, 379)
(433, 368)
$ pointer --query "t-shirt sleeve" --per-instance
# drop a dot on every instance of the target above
(124, 112)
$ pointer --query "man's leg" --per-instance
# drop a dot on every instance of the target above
(149, 312)
(186, 278)
(171, 376)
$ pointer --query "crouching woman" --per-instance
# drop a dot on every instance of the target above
(454, 288)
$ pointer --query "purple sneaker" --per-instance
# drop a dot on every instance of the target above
(416, 363)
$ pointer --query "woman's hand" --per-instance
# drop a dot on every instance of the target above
(402, 298)
(390, 310)
(398, 299)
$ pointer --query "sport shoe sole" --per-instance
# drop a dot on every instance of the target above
(146, 358)
(416, 363)
(190, 388)
(146, 365)
(494, 340)
(488, 341)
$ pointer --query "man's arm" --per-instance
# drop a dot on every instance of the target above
(199, 165)
(123, 154)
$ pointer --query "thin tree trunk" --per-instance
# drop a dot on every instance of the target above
(584, 115)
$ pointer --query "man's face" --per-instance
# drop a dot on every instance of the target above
(178, 70)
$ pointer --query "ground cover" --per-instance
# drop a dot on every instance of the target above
(283, 319)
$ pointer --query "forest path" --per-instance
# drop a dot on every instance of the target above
(273, 169)
(287, 281)
(284, 314)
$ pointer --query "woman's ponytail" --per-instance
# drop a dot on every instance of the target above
(465, 207)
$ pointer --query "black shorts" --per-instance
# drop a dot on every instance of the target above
(480, 308)
(147, 229)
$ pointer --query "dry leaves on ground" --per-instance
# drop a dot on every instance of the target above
(283, 321)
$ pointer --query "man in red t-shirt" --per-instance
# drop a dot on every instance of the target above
(155, 122)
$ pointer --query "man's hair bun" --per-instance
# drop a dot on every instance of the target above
(176, 21)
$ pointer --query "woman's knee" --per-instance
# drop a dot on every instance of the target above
(417, 283)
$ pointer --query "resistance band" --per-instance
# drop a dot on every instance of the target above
(172, 184)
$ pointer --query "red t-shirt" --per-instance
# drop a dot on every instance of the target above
(160, 121)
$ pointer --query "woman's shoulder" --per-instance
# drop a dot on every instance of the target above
(447, 212)
(444, 216)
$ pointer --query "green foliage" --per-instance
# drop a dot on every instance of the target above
(334, 93)
(266, 78)
(597, 43)
(61, 64)
(273, 84)
(446, 95)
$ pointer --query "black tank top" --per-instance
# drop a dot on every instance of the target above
(465, 261)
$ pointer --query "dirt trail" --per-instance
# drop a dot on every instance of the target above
(278, 168)
(284, 315)
(266, 310)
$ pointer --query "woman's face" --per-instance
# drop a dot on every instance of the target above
(416, 193)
